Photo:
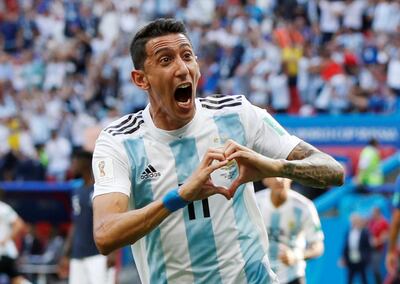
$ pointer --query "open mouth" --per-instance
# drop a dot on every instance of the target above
(183, 94)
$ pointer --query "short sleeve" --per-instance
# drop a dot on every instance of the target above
(110, 166)
(11, 215)
(265, 135)
(312, 225)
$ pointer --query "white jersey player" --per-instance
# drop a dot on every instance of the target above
(147, 162)
(153, 169)
(294, 229)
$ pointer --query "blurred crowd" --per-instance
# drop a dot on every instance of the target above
(65, 65)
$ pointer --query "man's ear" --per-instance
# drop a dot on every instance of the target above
(139, 79)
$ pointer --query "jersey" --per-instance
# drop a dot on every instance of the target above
(294, 224)
(209, 241)
(7, 218)
(82, 217)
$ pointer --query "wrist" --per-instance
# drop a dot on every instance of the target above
(298, 255)
(184, 194)
(392, 249)
(173, 200)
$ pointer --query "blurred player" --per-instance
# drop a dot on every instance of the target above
(185, 227)
(86, 264)
(294, 229)
(11, 225)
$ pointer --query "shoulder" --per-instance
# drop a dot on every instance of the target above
(300, 199)
(6, 210)
(263, 198)
(262, 193)
(218, 103)
(126, 125)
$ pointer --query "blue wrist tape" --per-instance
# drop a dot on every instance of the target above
(173, 201)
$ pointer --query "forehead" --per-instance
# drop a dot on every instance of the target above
(171, 41)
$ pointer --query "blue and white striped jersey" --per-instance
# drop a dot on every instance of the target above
(294, 225)
(209, 241)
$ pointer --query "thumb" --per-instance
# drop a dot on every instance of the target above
(234, 186)
(223, 191)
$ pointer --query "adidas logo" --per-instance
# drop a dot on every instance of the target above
(150, 173)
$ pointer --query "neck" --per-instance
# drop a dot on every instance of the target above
(278, 197)
(162, 121)
(88, 179)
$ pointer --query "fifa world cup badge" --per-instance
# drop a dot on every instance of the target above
(101, 168)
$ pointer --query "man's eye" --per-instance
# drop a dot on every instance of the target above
(187, 55)
(165, 59)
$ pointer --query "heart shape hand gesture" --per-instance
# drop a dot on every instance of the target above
(251, 165)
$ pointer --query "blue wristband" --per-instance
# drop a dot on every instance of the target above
(173, 201)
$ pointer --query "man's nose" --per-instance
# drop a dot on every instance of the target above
(181, 68)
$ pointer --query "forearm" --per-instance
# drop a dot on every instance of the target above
(394, 231)
(119, 229)
(311, 167)
(319, 170)
(17, 228)
(315, 250)
(68, 242)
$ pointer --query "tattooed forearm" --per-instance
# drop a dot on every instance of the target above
(311, 167)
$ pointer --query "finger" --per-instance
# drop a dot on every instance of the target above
(210, 157)
(234, 186)
(216, 165)
(223, 191)
(213, 189)
(230, 147)
(216, 150)
(237, 155)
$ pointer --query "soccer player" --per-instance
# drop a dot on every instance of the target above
(11, 225)
(86, 264)
(294, 229)
(152, 170)
(392, 257)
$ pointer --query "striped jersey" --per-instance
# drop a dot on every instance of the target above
(208, 241)
(294, 225)
(7, 218)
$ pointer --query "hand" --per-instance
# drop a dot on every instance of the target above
(288, 257)
(111, 259)
(341, 262)
(391, 262)
(252, 166)
(63, 267)
(199, 186)
(3, 241)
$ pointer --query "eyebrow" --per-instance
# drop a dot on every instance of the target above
(169, 48)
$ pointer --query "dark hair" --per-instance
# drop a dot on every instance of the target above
(156, 28)
(373, 142)
(83, 155)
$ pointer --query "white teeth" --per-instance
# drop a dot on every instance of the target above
(184, 86)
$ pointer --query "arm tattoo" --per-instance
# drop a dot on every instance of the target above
(311, 167)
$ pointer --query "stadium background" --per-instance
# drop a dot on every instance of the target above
(329, 71)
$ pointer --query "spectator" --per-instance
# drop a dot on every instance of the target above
(378, 227)
(357, 249)
(369, 165)
(392, 257)
(58, 151)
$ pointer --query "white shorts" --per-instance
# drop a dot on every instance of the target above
(89, 270)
